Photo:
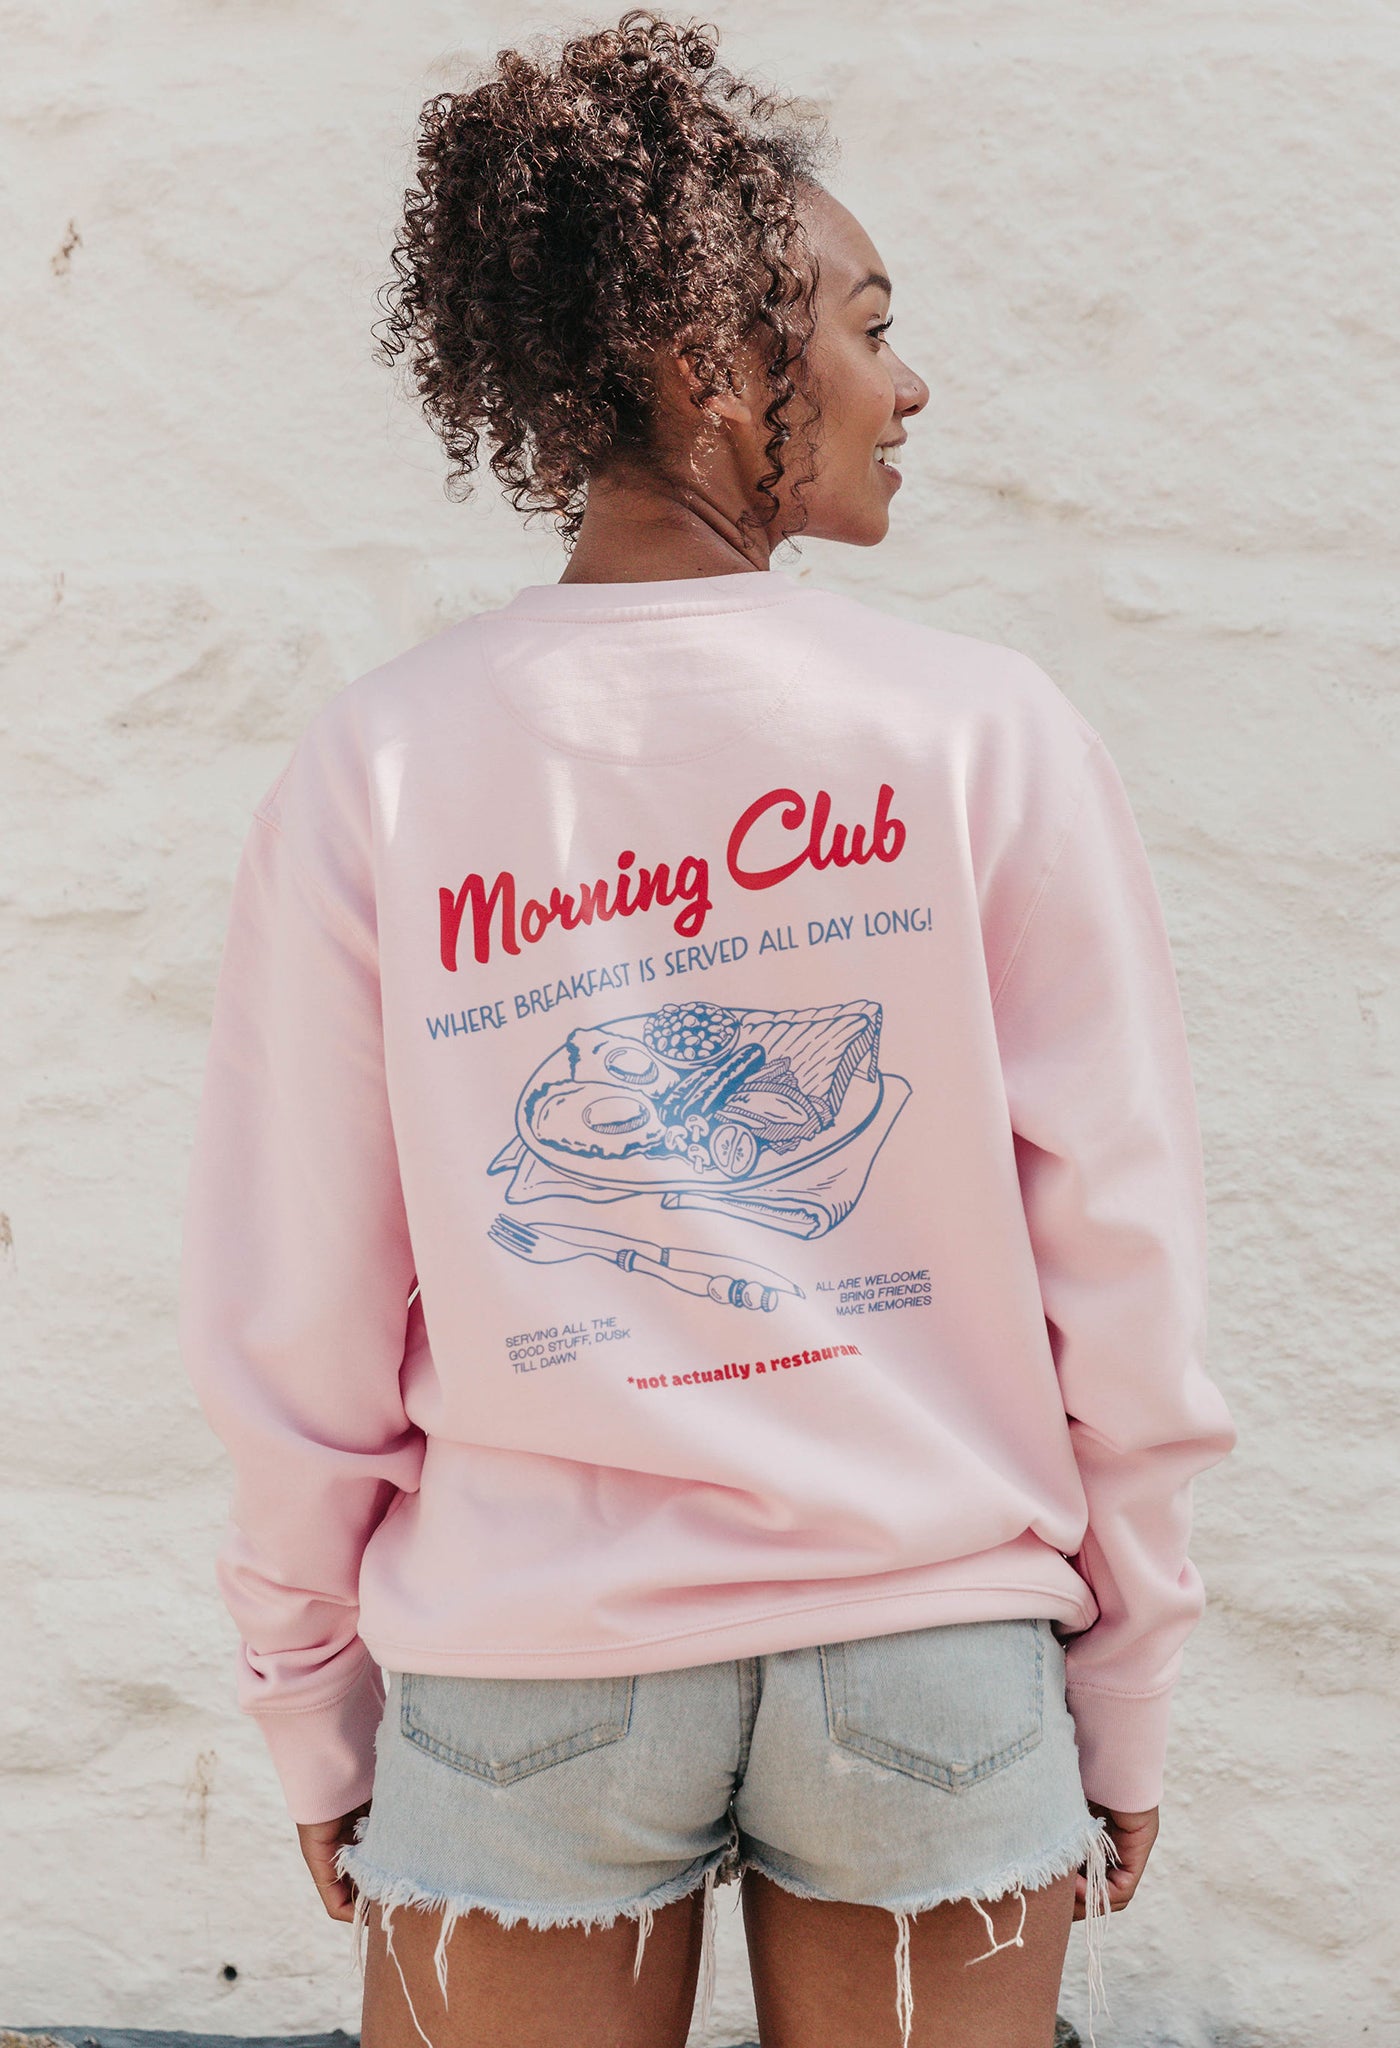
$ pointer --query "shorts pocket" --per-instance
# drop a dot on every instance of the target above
(950, 1704)
(502, 1729)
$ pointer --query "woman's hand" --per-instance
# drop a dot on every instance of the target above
(1132, 1835)
(319, 1841)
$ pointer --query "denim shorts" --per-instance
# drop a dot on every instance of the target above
(898, 1770)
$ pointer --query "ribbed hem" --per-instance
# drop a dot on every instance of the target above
(1122, 1746)
(758, 1634)
(324, 1755)
(665, 597)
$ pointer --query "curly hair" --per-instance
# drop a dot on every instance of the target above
(569, 222)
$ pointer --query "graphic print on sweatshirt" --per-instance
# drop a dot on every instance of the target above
(772, 1117)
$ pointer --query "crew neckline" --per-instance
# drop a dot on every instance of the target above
(665, 597)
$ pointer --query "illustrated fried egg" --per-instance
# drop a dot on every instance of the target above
(593, 1119)
(596, 1055)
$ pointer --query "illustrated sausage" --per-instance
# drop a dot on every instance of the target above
(702, 1093)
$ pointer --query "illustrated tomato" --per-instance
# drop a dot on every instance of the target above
(733, 1149)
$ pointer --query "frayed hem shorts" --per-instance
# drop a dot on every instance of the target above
(900, 1771)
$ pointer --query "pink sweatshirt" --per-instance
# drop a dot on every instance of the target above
(697, 1157)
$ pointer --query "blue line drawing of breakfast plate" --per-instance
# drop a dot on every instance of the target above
(698, 1096)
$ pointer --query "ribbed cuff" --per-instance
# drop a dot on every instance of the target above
(324, 1755)
(1122, 1746)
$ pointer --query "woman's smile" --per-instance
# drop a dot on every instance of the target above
(887, 460)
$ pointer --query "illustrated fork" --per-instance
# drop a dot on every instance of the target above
(544, 1244)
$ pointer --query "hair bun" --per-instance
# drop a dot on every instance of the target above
(572, 216)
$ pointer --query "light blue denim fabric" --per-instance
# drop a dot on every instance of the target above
(898, 1770)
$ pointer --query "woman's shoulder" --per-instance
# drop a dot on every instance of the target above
(339, 740)
(941, 672)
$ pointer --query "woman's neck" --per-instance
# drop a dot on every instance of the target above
(639, 532)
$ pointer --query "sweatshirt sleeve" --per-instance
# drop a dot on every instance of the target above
(295, 1282)
(1095, 1058)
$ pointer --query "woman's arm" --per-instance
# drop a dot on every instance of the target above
(296, 1277)
(1103, 1111)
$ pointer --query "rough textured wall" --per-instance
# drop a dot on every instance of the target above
(1145, 259)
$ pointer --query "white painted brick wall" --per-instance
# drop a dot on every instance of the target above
(1145, 258)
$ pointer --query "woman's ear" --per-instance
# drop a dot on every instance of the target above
(679, 371)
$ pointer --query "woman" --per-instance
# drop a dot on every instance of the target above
(695, 1241)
